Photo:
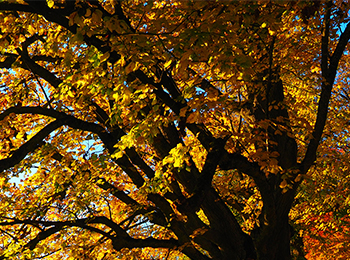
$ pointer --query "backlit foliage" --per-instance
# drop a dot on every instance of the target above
(174, 130)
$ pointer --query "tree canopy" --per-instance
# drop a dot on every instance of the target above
(174, 130)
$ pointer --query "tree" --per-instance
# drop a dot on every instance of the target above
(169, 129)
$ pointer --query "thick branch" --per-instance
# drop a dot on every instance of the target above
(122, 240)
(30, 146)
(9, 60)
(64, 119)
(203, 183)
(58, 16)
(103, 184)
(16, 7)
(231, 161)
(161, 94)
(137, 160)
(338, 52)
(53, 15)
(328, 73)
(76, 123)
(41, 236)
(39, 70)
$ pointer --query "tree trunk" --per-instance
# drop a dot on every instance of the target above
(227, 233)
(274, 241)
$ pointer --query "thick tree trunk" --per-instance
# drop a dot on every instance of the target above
(227, 234)
(274, 241)
(272, 238)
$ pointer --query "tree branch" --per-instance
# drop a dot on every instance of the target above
(49, 14)
(9, 60)
(103, 184)
(39, 70)
(328, 74)
(35, 142)
(203, 182)
(16, 7)
(122, 240)
(71, 121)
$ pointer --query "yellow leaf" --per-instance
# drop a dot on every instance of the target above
(283, 184)
(71, 18)
(104, 57)
(193, 118)
(31, 29)
(212, 93)
(88, 12)
(3, 181)
(177, 162)
(298, 178)
(131, 67)
(167, 64)
(183, 111)
(96, 16)
(77, 20)
(70, 93)
(50, 3)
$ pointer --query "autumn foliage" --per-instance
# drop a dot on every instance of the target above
(174, 130)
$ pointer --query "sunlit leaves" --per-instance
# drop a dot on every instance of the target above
(174, 117)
